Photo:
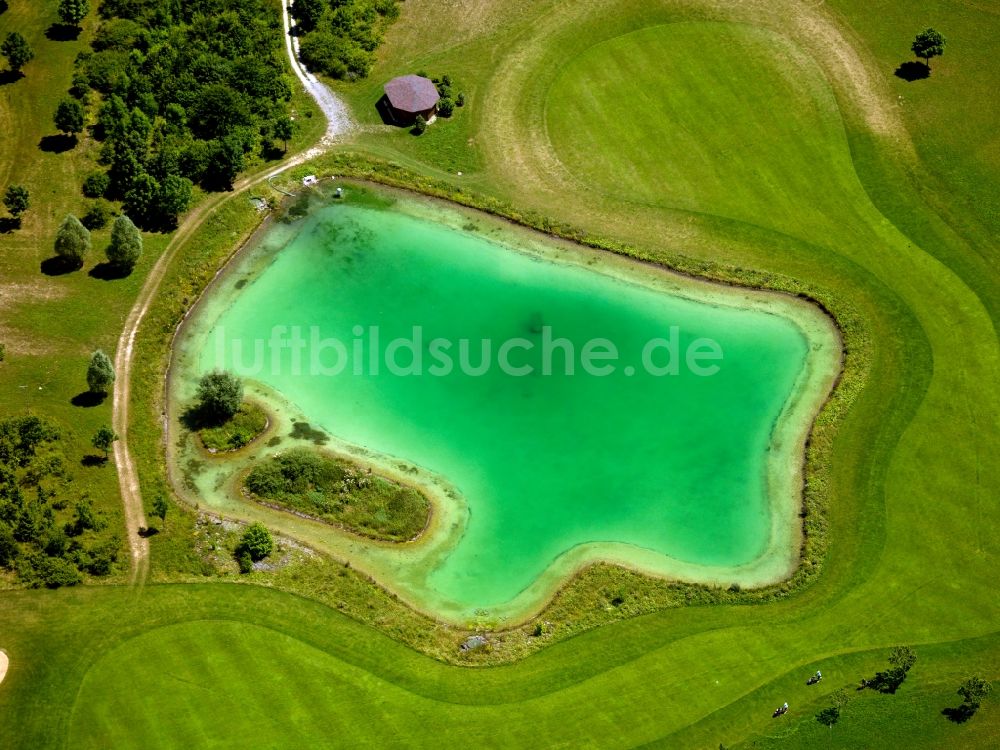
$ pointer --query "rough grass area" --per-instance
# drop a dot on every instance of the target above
(340, 492)
(244, 427)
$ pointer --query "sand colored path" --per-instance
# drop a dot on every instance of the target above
(4, 663)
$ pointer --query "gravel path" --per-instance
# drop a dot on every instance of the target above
(339, 123)
(338, 119)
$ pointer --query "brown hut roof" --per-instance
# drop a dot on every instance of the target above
(411, 93)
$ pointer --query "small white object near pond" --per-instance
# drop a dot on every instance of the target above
(309, 180)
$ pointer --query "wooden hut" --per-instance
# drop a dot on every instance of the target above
(409, 96)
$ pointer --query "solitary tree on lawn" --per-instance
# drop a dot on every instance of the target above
(929, 43)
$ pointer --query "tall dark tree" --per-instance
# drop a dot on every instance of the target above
(175, 197)
(228, 160)
(929, 43)
(17, 51)
(16, 200)
(126, 243)
(72, 241)
(69, 116)
(140, 200)
(73, 11)
(100, 372)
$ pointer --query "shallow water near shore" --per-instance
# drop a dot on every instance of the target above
(673, 458)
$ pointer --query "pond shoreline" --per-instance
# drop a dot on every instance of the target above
(581, 556)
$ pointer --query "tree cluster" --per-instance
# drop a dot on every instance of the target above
(901, 660)
(43, 539)
(339, 37)
(189, 92)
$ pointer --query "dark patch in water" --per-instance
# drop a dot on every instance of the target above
(305, 431)
(536, 322)
(298, 209)
(241, 283)
(276, 440)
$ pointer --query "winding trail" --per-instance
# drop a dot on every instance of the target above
(339, 123)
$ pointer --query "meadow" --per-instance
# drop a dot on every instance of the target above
(765, 137)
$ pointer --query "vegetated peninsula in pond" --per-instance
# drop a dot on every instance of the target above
(339, 492)
(680, 456)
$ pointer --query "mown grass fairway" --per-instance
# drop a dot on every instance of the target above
(878, 193)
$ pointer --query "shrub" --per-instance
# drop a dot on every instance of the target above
(96, 184)
(98, 215)
(446, 107)
(256, 542)
(244, 560)
(460, 100)
(420, 125)
(55, 572)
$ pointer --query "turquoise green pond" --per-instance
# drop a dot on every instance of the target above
(692, 470)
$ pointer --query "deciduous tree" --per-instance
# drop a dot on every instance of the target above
(973, 691)
(828, 717)
(69, 116)
(219, 395)
(929, 43)
(73, 11)
(103, 439)
(282, 130)
(17, 51)
(307, 13)
(175, 197)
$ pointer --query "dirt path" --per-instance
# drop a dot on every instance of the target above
(339, 123)
(4, 663)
